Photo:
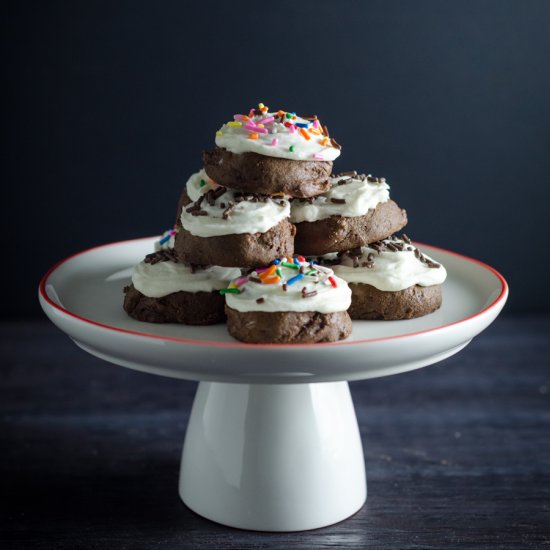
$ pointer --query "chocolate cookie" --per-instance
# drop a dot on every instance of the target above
(190, 308)
(257, 173)
(342, 233)
(282, 327)
(243, 250)
(290, 301)
(367, 302)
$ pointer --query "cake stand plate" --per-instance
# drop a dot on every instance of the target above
(272, 442)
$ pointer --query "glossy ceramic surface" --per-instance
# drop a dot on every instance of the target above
(82, 295)
(273, 457)
(272, 442)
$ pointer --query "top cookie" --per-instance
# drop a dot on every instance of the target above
(278, 134)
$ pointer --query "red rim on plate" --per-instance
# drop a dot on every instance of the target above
(44, 281)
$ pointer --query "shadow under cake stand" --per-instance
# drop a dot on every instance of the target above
(272, 442)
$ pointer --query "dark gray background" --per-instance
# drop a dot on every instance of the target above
(109, 105)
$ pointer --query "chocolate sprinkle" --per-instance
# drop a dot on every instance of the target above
(392, 244)
(260, 300)
(335, 144)
(306, 294)
(227, 212)
(161, 256)
(338, 201)
(195, 206)
(218, 192)
(214, 194)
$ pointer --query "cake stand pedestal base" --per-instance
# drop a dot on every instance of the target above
(286, 455)
(273, 457)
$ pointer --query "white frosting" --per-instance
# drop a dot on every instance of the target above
(246, 217)
(328, 299)
(391, 271)
(236, 138)
(360, 197)
(199, 184)
(163, 278)
(166, 240)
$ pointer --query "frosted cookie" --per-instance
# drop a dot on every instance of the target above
(273, 153)
(231, 228)
(198, 184)
(355, 211)
(164, 290)
(288, 302)
(390, 280)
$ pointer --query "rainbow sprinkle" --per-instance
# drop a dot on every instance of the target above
(315, 278)
(240, 281)
(268, 272)
(294, 279)
(271, 280)
(260, 124)
(166, 237)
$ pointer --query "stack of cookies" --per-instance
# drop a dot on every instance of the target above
(351, 228)
(265, 201)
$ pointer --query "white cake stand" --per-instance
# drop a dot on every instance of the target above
(272, 442)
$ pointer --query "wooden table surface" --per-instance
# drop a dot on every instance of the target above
(457, 454)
